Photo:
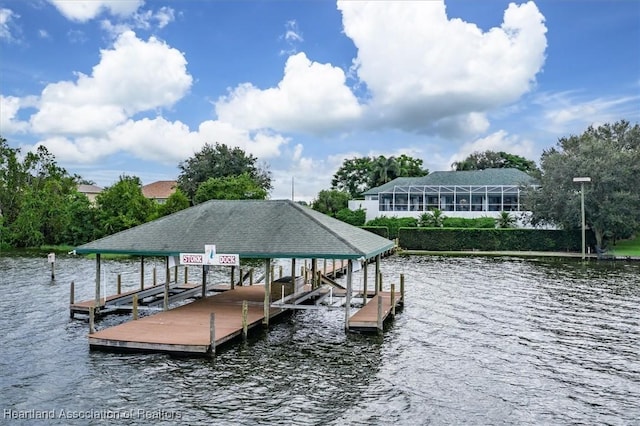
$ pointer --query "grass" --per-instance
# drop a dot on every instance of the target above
(629, 247)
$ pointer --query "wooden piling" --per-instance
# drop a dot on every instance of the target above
(119, 284)
(393, 299)
(155, 279)
(212, 331)
(267, 291)
(72, 297)
(167, 278)
(204, 281)
(380, 323)
(53, 271)
(233, 277)
(92, 319)
(134, 309)
(245, 314)
(402, 289)
(186, 274)
(141, 272)
(280, 272)
(251, 276)
(364, 280)
(175, 273)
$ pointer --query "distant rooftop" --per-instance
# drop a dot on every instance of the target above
(160, 190)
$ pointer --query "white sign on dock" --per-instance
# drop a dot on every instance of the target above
(51, 257)
(209, 254)
(219, 259)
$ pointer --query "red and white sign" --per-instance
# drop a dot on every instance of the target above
(219, 259)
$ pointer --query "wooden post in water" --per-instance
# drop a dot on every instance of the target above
(364, 284)
(167, 276)
(92, 319)
(204, 281)
(155, 278)
(347, 305)
(314, 273)
(324, 267)
(241, 279)
(98, 274)
(377, 276)
(393, 299)
(175, 274)
(293, 274)
(272, 274)
(245, 314)
(141, 272)
(233, 277)
(333, 271)
(267, 291)
(186, 274)
(212, 331)
(134, 309)
(380, 283)
(280, 272)
(402, 289)
(72, 297)
(251, 276)
(119, 284)
(380, 323)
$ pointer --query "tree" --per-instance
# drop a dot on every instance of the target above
(495, 160)
(352, 217)
(505, 220)
(122, 206)
(219, 161)
(330, 202)
(353, 176)
(432, 219)
(176, 202)
(610, 156)
(411, 167)
(241, 187)
(384, 170)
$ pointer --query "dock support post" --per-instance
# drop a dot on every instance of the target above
(293, 275)
(212, 331)
(377, 276)
(141, 272)
(347, 305)
(134, 309)
(251, 276)
(280, 272)
(393, 299)
(186, 274)
(333, 270)
(380, 314)
(364, 283)
(53, 271)
(314, 273)
(324, 267)
(271, 271)
(175, 273)
(233, 277)
(204, 281)
(155, 278)
(245, 314)
(119, 284)
(402, 289)
(92, 319)
(72, 297)
(98, 274)
(267, 291)
(166, 284)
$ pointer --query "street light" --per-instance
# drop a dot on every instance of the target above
(582, 180)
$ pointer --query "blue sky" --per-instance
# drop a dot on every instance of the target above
(116, 87)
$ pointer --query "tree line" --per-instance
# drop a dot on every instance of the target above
(40, 203)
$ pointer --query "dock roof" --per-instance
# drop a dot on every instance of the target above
(250, 228)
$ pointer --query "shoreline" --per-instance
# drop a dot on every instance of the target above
(574, 255)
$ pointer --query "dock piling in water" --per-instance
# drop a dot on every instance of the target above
(245, 313)
(212, 331)
(72, 291)
(134, 309)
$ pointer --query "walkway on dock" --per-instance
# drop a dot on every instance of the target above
(372, 315)
(187, 328)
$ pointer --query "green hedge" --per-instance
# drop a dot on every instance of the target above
(383, 231)
(447, 239)
(460, 222)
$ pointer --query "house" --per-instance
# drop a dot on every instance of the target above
(91, 191)
(160, 190)
(467, 194)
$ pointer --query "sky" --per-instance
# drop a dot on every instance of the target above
(134, 87)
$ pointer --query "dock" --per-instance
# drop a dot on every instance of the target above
(150, 297)
(372, 315)
(189, 329)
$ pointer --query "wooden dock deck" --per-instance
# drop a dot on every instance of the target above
(366, 318)
(187, 329)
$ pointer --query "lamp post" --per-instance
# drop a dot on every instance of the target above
(582, 180)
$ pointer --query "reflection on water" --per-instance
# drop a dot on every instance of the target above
(480, 341)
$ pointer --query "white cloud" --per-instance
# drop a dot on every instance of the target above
(131, 77)
(85, 10)
(6, 21)
(145, 20)
(43, 33)
(311, 97)
(497, 141)
(420, 66)
(9, 122)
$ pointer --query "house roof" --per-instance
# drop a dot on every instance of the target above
(486, 177)
(161, 189)
(89, 189)
(250, 228)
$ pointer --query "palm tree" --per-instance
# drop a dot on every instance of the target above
(384, 170)
(505, 220)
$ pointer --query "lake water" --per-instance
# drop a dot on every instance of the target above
(480, 341)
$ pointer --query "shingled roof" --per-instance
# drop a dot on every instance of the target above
(486, 177)
(250, 228)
